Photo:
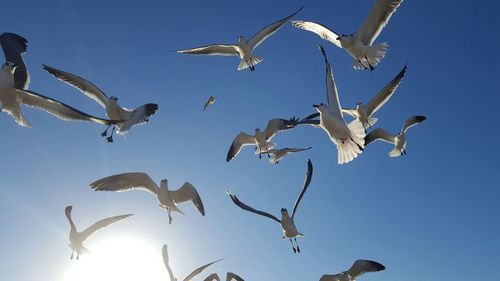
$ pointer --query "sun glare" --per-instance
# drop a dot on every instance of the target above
(119, 258)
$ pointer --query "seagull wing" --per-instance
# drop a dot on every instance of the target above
(297, 149)
(213, 50)
(377, 19)
(269, 30)
(13, 47)
(86, 87)
(362, 266)
(186, 193)
(349, 111)
(125, 182)
(212, 277)
(385, 94)
(230, 276)
(100, 224)
(164, 252)
(57, 108)
(250, 209)
(307, 181)
(412, 121)
(274, 126)
(321, 30)
(241, 140)
(199, 270)
(331, 88)
(379, 134)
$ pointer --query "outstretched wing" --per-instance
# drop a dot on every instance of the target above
(412, 121)
(86, 87)
(250, 209)
(269, 30)
(321, 30)
(362, 266)
(100, 224)
(274, 126)
(230, 276)
(213, 50)
(125, 182)
(14, 46)
(186, 193)
(166, 261)
(212, 277)
(331, 88)
(57, 108)
(379, 134)
(199, 270)
(297, 149)
(377, 19)
(242, 139)
(385, 94)
(307, 181)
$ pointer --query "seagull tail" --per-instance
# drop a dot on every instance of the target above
(354, 145)
(264, 150)
(374, 54)
(394, 152)
(372, 121)
(251, 62)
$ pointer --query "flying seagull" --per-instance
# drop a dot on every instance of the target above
(76, 238)
(190, 276)
(210, 101)
(114, 111)
(229, 277)
(398, 140)
(278, 154)
(168, 199)
(349, 138)
(262, 139)
(244, 49)
(360, 44)
(14, 46)
(287, 223)
(358, 268)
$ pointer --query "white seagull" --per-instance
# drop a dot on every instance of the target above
(244, 49)
(349, 138)
(210, 101)
(76, 238)
(278, 154)
(358, 268)
(360, 44)
(114, 111)
(364, 112)
(168, 199)
(14, 46)
(287, 223)
(229, 277)
(190, 276)
(398, 140)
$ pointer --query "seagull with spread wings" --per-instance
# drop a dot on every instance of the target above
(190, 276)
(278, 154)
(114, 111)
(358, 268)
(210, 101)
(14, 81)
(168, 199)
(229, 277)
(244, 49)
(287, 223)
(76, 238)
(349, 138)
(398, 140)
(359, 44)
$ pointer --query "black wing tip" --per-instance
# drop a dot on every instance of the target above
(377, 265)
(309, 166)
(151, 108)
(23, 41)
(420, 118)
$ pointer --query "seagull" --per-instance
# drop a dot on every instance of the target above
(244, 49)
(358, 268)
(229, 277)
(349, 138)
(262, 138)
(287, 223)
(398, 140)
(210, 101)
(278, 154)
(359, 44)
(364, 112)
(168, 199)
(114, 111)
(14, 46)
(76, 238)
(190, 276)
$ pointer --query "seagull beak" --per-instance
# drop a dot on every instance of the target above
(315, 105)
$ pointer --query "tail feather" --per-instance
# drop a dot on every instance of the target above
(246, 63)
(372, 121)
(269, 146)
(374, 54)
(352, 147)
(395, 152)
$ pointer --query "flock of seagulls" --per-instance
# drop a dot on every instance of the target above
(349, 136)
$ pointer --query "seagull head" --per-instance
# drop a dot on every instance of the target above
(241, 38)
(113, 98)
(257, 130)
(319, 107)
(284, 211)
(68, 209)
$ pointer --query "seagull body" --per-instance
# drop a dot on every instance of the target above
(357, 269)
(364, 112)
(114, 111)
(229, 277)
(244, 49)
(287, 222)
(278, 154)
(210, 101)
(76, 238)
(398, 140)
(168, 199)
(360, 44)
(197, 271)
(349, 138)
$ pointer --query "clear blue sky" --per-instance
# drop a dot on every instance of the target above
(431, 215)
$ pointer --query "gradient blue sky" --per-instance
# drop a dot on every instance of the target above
(431, 215)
